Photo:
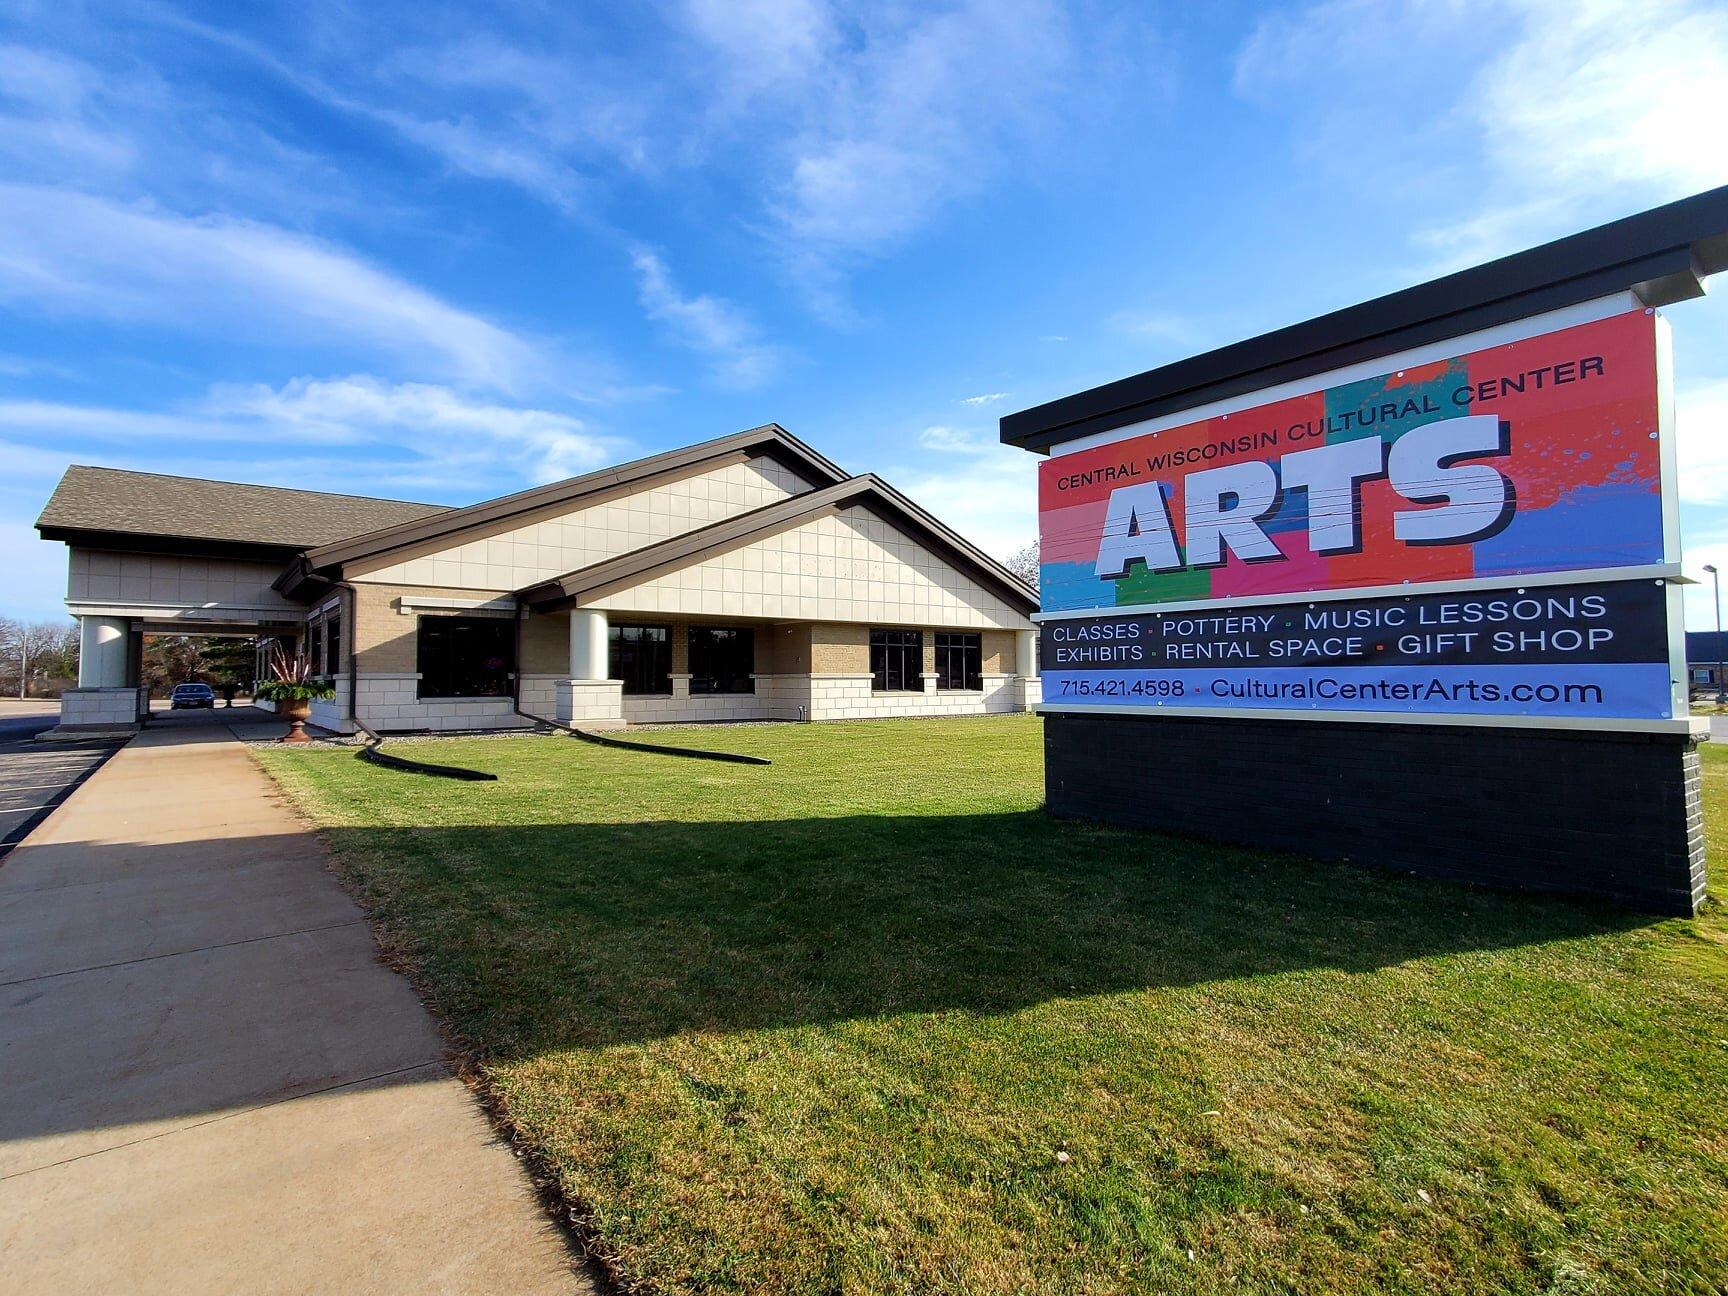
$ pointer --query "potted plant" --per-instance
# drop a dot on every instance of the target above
(292, 685)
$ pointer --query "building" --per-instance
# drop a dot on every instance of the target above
(1706, 653)
(745, 578)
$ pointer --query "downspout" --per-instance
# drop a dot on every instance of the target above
(602, 740)
(372, 752)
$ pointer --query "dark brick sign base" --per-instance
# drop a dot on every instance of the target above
(1610, 815)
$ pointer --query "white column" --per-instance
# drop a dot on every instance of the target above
(1026, 653)
(588, 644)
(102, 651)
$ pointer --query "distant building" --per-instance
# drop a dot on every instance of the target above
(1706, 650)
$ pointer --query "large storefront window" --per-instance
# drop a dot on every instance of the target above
(641, 656)
(722, 659)
(959, 661)
(896, 661)
(462, 657)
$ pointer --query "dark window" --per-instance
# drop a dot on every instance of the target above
(959, 661)
(721, 659)
(896, 660)
(315, 646)
(641, 656)
(333, 663)
(466, 656)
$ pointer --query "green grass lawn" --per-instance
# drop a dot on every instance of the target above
(867, 1021)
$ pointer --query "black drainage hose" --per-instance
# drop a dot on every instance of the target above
(692, 752)
(602, 740)
(372, 752)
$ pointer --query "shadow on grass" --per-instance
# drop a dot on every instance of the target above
(552, 936)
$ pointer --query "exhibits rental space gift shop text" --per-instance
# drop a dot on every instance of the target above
(1462, 537)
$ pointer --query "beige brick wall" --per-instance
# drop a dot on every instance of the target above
(999, 652)
(839, 650)
(384, 638)
(546, 644)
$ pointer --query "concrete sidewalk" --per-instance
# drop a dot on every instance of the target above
(210, 1083)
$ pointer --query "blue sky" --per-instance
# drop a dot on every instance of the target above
(442, 252)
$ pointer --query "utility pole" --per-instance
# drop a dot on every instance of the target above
(1721, 683)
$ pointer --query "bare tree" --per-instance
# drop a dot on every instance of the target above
(1024, 564)
(37, 649)
(13, 648)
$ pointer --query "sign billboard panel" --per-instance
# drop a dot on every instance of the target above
(1536, 456)
(1589, 651)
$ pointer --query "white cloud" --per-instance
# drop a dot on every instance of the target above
(900, 116)
(710, 325)
(420, 432)
(984, 399)
(952, 440)
(983, 489)
(1569, 111)
(989, 496)
(69, 252)
(1701, 443)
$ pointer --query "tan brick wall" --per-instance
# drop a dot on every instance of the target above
(839, 650)
(999, 650)
(546, 644)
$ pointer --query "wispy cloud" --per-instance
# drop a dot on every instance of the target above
(68, 252)
(950, 440)
(985, 490)
(1578, 110)
(984, 399)
(710, 325)
(391, 432)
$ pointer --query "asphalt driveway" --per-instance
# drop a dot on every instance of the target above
(34, 776)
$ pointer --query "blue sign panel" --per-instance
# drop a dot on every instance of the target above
(1596, 651)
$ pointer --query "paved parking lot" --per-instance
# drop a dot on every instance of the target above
(34, 776)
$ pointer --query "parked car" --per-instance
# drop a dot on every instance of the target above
(192, 695)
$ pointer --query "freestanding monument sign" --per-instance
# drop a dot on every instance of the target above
(1398, 584)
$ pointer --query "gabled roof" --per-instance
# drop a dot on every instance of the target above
(325, 561)
(869, 491)
(1662, 255)
(107, 505)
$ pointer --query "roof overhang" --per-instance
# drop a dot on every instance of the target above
(326, 562)
(1661, 255)
(868, 491)
(178, 546)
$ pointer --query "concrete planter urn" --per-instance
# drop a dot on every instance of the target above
(296, 711)
(292, 687)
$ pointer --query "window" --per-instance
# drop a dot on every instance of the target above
(1702, 676)
(896, 661)
(333, 663)
(959, 661)
(465, 656)
(641, 656)
(721, 659)
(315, 646)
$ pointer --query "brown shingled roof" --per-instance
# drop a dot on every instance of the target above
(140, 503)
